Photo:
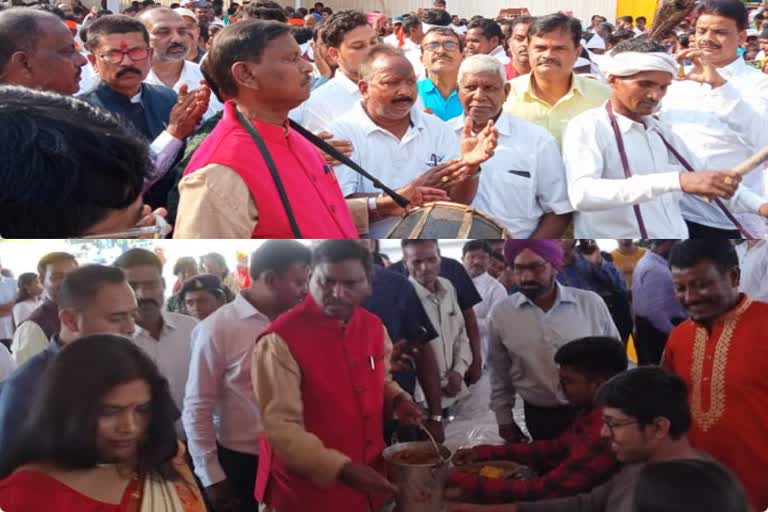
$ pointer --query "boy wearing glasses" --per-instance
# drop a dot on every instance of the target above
(646, 416)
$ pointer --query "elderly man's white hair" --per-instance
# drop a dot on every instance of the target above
(482, 64)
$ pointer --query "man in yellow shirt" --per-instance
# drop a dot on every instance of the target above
(626, 257)
(551, 94)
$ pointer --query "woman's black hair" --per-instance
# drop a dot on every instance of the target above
(63, 425)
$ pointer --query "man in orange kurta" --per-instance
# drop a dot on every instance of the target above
(722, 354)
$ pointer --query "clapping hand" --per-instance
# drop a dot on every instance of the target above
(477, 148)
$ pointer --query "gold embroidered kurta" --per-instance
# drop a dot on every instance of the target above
(727, 375)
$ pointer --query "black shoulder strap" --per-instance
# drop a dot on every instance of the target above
(272, 169)
(338, 155)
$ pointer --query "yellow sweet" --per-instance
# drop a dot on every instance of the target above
(491, 472)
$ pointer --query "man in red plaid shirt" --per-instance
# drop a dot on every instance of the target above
(575, 462)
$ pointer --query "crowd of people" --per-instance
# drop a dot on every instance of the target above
(280, 387)
(193, 121)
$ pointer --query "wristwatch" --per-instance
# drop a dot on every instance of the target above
(437, 418)
(372, 203)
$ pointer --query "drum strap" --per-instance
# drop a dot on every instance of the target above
(338, 155)
(466, 224)
(256, 137)
(688, 167)
(416, 231)
(625, 165)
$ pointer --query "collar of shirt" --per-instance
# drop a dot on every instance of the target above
(563, 295)
(345, 83)
(425, 293)
(113, 95)
(244, 309)
(417, 122)
(499, 51)
(429, 87)
(626, 124)
(655, 259)
(168, 326)
(742, 306)
(735, 68)
(576, 89)
(186, 75)
(271, 133)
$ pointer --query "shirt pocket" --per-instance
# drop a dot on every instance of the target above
(511, 189)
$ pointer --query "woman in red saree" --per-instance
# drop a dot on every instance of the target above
(101, 438)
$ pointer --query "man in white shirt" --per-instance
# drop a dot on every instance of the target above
(523, 184)
(7, 301)
(438, 296)
(163, 335)
(753, 261)
(485, 37)
(348, 37)
(527, 329)
(34, 334)
(637, 194)
(221, 417)
(170, 42)
(397, 143)
(476, 257)
(721, 138)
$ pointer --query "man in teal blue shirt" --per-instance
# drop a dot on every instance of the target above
(442, 53)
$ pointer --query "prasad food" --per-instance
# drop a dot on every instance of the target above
(498, 470)
(416, 456)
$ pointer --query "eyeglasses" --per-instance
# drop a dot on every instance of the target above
(117, 56)
(535, 268)
(613, 425)
(449, 46)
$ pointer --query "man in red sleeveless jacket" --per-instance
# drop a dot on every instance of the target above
(228, 189)
(322, 381)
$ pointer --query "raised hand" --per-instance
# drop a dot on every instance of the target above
(188, 111)
(477, 148)
(703, 70)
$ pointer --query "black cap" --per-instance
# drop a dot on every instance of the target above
(203, 283)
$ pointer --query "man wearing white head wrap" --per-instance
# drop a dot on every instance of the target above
(626, 170)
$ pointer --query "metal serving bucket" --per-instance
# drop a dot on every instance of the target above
(421, 486)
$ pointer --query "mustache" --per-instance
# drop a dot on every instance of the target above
(126, 70)
(548, 61)
(403, 99)
(147, 302)
(177, 46)
(699, 303)
(709, 44)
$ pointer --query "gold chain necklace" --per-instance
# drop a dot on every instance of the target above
(717, 401)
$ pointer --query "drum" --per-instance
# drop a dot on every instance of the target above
(448, 220)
